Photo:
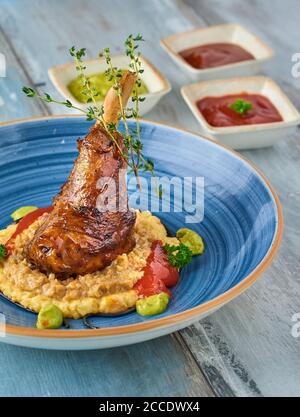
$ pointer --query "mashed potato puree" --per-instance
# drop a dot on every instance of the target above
(107, 291)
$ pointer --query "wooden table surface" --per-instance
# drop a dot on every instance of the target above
(244, 349)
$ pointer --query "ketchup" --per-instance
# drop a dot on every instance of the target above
(24, 223)
(158, 273)
(215, 55)
(217, 112)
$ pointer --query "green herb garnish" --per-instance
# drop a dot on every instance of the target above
(132, 137)
(2, 252)
(241, 106)
(179, 255)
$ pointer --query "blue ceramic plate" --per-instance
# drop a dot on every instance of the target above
(242, 224)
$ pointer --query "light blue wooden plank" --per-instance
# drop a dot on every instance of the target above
(159, 367)
(14, 104)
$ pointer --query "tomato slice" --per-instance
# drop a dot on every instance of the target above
(158, 273)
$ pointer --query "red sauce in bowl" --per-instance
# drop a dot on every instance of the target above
(217, 111)
(215, 55)
(24, 223)
(158, 273)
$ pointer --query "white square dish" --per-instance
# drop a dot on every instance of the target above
(156, 83)
(246, 136)
(227, 33)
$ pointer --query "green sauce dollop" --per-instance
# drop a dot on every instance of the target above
(192, 240)
(50, 317)
(152, 305)
(100, 83)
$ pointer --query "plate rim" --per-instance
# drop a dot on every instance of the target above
(183, 316)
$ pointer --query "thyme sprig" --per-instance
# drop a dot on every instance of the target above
(132, 137)
(87, 89)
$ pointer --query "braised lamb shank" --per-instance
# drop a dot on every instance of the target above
(77, 238)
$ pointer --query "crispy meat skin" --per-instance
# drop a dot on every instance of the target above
(75, 237)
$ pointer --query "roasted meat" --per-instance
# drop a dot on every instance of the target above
(79, 236)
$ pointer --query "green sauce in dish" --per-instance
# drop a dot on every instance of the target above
(100, 83)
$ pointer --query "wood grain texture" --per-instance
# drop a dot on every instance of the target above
(12, 104)
(246, 348)
(254, 331)
(159, 367)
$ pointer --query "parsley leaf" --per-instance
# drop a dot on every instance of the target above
(241, 106)
(2, 252)
(179, 255)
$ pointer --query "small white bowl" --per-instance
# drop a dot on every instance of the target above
(228, 33)
(156, 83)
(246, 136)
